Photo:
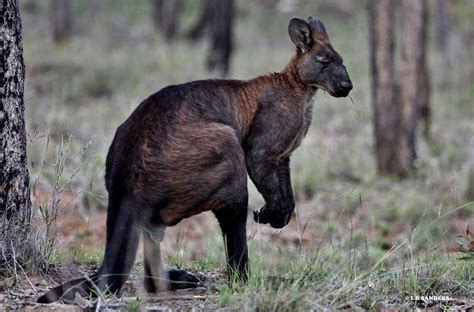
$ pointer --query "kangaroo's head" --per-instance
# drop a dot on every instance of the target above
(319, 65)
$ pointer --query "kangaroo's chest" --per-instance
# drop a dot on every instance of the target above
(301, 127)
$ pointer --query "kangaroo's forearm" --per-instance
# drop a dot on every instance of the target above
(264, 174)
(274, 183)
(284, 180)
(272, 180)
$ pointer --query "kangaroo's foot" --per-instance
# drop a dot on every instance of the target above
(181, 279)
(176, 279)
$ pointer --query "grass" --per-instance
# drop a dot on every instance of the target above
(357, 240)
(333, 279)
(355, 272)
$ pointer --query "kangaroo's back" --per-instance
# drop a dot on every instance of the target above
(162, 114)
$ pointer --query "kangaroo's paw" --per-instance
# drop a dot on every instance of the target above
(181, 279)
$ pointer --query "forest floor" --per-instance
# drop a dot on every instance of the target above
(356, 241)
(205, 297)
(298, 267)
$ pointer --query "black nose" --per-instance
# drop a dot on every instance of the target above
(346, 85)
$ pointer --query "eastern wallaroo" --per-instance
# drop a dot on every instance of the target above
(188, 148)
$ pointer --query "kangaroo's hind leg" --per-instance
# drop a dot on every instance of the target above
(156, 278)
(123, 236)
(154, 273)
(232, 219)
(232, 214)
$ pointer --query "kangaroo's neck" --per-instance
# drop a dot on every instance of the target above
(292, 73)
(285, 86)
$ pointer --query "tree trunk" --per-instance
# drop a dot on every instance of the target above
(469, 168)
(442, 25)
(398, 97)
(442, 39)
(61, 20)
(221, 39)
(156, 14)
(424, 84)
(199, 29)
(409, 80)
(382, 44)
(165, 15)
(15, 204)
(469, 195)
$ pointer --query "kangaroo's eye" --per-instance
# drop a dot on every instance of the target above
(322, 59)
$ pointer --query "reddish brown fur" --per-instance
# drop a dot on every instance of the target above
(188, 148)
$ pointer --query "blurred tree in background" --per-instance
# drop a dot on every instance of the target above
(399, 96)
(424, 81)
(411, 83)
(61, 20)
(198, 30)
(221, 36)
(442, 26)
(382, 44)
(165, 14)
(215, 21)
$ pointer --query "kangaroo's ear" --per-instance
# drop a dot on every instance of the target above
(317, 29)
(300, 34)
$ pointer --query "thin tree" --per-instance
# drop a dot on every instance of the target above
(221, 36)
(382, 52)
(216, 21)
(410, 78)
(398, 96)
(424, 83)
(469, 192)
(15, 204)
(198, 30)
(442, 25)
(165, 14)
(61, 20)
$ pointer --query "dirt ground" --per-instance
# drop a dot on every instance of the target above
(76, 230)
(23, 296)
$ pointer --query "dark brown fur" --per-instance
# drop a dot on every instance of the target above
(188, 148)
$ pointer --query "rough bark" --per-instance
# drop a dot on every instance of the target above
(382, 44)
(221, 37)
(165, 15)
(15, 204)
(61, 20)
(409, 82)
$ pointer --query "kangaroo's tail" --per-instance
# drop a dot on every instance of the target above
(123, 236)
(68, 290)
